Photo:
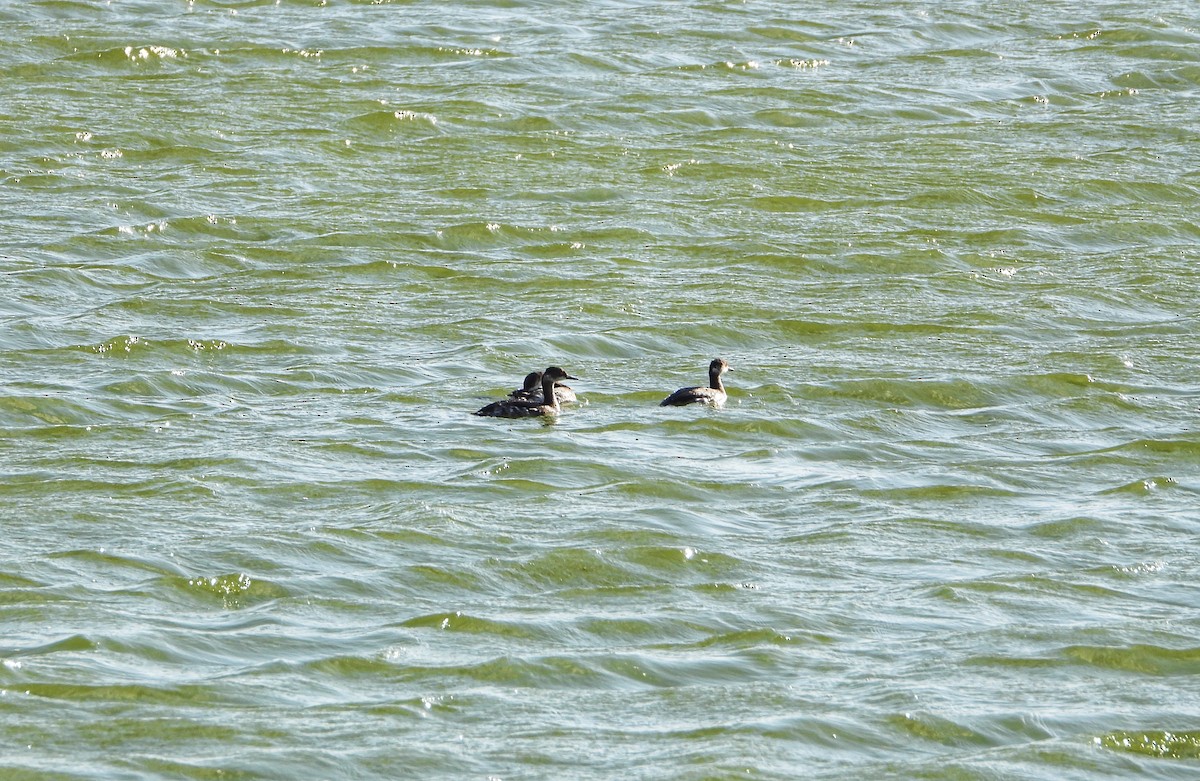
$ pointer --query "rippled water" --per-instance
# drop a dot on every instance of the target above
(260, 260)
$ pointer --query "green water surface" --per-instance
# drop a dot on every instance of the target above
(260, 260)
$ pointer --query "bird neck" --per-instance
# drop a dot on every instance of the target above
(548, 396)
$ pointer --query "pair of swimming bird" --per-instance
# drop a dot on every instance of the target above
(544, 394)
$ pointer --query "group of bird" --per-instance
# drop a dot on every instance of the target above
(544, 393)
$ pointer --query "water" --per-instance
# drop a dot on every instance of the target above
(260, 261)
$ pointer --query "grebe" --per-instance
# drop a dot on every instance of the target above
(532, 390)
(532, 386)
(521, 408)
(714, 394)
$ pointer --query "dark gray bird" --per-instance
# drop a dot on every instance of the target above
(714, 394)
(532, 390)
(526, 408)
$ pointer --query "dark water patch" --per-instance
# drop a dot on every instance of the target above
(368, 537)
(923, 392)
(587, 569)
(729, 428)
(591, 195)
(50, 416)
(845, 329)
(171, 226)
(482, 235)
(405, 122)
(74, 643)
(1154, 50)
(182, 387)
(123, 59)
(943, 493)
(405, 52)
(1160, 744)
(603, 65)
(677, 564)
(571, 568)
(352, 450)
(108, 566)
(146, 733)
(667, 517)
(618, 593)
(169, 349)
(247, 764)
(18, 589)
(724, 69)
(593, 347)
(1185, 447)
(519, 485)
(793, 31)
(542, 672)
(941, 528)
(1139, 659)
(527, 123)
(640, 630)
(414, 708)
(233, 591)
(179, 696)
(1144, 486)
(399, 268)
(748, 639)
(52, 281)
(152, 655)
(349, 667)
(1136, 194)
(1015, 662)
(1018, 592)
(793, 204)
(111, 481)
(826, 535)
(1143, 455)
(937, 729)
(692, 480)
(1028, 559)
(1055, 385)
(1130, 572)
(460, 622)
(693, 669)
(1182, 79)
(621, 536)
(334, 492)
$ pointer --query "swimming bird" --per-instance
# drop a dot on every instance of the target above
(532, 390)
(524, 408)
(532, 385)
(714, 394)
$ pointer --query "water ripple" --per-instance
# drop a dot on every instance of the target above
(264, 259)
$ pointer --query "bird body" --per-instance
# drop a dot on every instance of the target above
(713, 395)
